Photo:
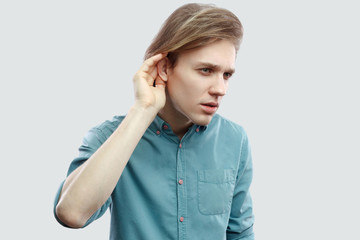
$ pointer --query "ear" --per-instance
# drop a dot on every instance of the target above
(162, 68)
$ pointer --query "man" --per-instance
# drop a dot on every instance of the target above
(171, 168)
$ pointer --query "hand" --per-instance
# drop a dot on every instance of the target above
(145, 93)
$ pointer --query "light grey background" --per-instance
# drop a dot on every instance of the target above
(66, 66)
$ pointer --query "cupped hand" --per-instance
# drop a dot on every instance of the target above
(147, 94)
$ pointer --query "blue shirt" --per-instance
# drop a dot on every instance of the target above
(194, 188)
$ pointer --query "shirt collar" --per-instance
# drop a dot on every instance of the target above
(160, 124)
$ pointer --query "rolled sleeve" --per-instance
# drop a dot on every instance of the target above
(91, 142)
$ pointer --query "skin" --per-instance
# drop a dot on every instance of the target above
(199, 77)
(202, 74)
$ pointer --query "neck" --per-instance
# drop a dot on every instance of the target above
(178, 122)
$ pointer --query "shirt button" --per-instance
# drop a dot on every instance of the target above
(165, 127)
(181, 219)
(180, 145)
(197, 130)
(181, 181)
(157, 132)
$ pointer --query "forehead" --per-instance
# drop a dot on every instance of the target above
(220, 53)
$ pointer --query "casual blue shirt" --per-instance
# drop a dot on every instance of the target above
(194, 188)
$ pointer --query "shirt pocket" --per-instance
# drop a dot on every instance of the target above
(215, 190)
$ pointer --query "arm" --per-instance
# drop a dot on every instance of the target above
(241, 220)
(88, 187)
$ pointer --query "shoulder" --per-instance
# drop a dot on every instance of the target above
(228, 127)
(104, 130)
(232, 137)
(110, 125)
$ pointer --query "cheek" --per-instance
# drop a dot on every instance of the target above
(226, 86)
(186, 86)
(180, 84)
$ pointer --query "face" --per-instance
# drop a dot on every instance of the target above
(199, 80)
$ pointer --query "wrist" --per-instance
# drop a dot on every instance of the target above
(147, 111)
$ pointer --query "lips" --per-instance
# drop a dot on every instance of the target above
(210, 107)
(211, 104)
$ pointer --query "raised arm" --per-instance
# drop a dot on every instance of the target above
(88, 187)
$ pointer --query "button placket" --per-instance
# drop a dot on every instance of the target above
(181, 189)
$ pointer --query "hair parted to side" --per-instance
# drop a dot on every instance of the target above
(194, 25)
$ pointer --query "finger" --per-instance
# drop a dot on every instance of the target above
(150, 63)
(145, 76)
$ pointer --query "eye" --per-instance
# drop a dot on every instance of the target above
(206, 70)
(227, 75)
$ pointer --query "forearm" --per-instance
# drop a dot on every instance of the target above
(90, 185)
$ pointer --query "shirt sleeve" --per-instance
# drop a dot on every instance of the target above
(241, 219)
(91, 142)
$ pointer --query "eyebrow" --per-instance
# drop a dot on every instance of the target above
(214, 66)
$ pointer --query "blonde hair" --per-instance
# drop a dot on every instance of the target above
(194, 25)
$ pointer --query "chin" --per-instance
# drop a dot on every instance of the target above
(203, 120)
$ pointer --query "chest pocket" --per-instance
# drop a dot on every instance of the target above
(215, 190)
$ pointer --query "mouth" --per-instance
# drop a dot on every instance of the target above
(211, 104)
(210, 107)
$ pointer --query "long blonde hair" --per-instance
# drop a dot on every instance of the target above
(194, 25)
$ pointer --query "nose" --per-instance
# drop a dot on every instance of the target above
(219, 86)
